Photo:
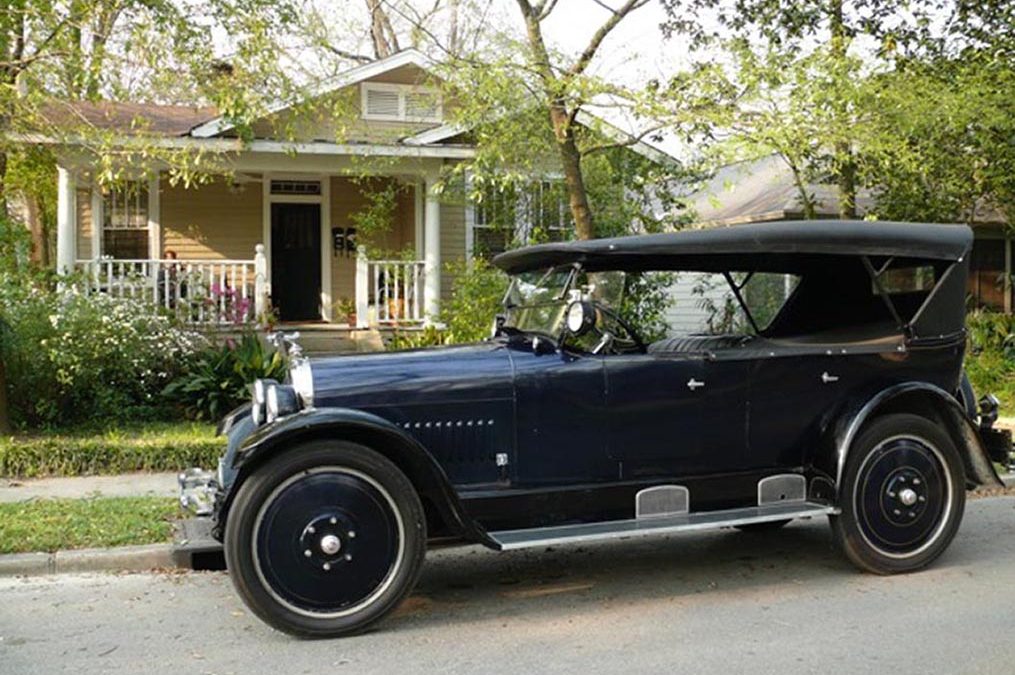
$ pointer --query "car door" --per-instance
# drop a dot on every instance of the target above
(654, 406)
(559, 419)
(790, 397)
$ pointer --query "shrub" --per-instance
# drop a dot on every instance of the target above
(219, 378)
(72, 357)
(153, 447)
(468, 315)
(990, 357)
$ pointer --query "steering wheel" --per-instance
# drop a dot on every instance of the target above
(632, 334)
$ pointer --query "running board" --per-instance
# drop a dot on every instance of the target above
(687, 522)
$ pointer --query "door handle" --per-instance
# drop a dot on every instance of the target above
(693, 384)
(828, 379)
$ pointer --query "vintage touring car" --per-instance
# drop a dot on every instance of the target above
(822, 377)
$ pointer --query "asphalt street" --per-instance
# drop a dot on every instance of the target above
(720, 602)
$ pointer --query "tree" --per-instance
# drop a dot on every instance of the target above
(802, 56)
(57, 51)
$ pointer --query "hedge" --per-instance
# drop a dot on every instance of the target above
(161, 447)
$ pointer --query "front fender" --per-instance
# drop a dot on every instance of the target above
(381, 435)
(921, 398)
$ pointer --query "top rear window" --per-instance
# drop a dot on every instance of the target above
(899, 280)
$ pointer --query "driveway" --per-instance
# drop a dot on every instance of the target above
(720, 602)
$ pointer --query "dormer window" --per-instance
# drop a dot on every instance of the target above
(400, 103)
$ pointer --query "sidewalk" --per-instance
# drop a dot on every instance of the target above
(124, 485)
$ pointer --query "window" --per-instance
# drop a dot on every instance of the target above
(400, 103)
(987, 273)
(517, 216)
(296, 187)
(125, 221)
(897, 280)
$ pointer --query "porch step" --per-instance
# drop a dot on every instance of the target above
(689, 522)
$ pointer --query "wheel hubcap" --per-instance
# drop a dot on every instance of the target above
(903, 496)
(328, 542)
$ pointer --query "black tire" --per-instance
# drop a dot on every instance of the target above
(768, 526)
(902, 495)
(281, 534)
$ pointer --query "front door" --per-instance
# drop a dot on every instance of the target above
(656, 407)
(296, 261)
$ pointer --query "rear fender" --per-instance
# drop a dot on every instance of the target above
(921, 398)
(425, 473)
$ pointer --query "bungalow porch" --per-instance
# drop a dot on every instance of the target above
(269, 242)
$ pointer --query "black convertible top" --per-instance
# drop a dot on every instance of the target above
(706, 248)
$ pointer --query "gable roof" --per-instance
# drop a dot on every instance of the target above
(407, 57)
(162, 120)
(611, 131)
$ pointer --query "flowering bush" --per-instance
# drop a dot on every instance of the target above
(73, 357)
(219, 377)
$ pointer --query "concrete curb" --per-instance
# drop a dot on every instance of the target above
(119, 559)
(1008, 479)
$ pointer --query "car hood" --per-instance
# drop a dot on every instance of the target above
(420, 376)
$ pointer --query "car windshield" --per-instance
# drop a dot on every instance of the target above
(537, 301)
(657, 304)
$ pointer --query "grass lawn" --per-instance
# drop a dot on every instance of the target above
(153, 446)
(52, 524)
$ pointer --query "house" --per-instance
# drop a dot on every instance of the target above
(763, 190)
(280, 232)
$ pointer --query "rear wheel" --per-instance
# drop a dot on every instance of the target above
(902, 495)
(325, 540)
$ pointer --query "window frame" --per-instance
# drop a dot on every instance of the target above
(108, 201)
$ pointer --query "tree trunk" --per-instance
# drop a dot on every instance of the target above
(381, 33)
(563, 129)
(570, 159)
(39, 255)
(5, 421)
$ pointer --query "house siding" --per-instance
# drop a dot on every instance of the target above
(211, 221)
(85, 224)
(452, 244)
(347, 198)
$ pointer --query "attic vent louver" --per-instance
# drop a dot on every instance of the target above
(382, 103)
(401, 103)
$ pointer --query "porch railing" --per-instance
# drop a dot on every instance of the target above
(201, 292)
(388, 292)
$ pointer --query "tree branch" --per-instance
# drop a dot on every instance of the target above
(590, 51)
(625, 143)
(362, 58)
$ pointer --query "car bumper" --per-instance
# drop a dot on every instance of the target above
(199, 489)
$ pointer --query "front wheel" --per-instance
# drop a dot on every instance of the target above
(325, 540)
(902, 495)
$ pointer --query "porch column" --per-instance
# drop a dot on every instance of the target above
(432, 251)
(66, 220)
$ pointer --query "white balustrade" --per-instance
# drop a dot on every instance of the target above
(389, 291)
(203, 292)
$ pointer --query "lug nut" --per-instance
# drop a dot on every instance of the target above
(333, 520)
(327, 566)
(307, 553)
(311, 529)
(348, 557)
(352, 534)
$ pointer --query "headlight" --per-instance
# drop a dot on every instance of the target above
(302, 377)
(282, 401)
(580, 318)
(258, 411)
